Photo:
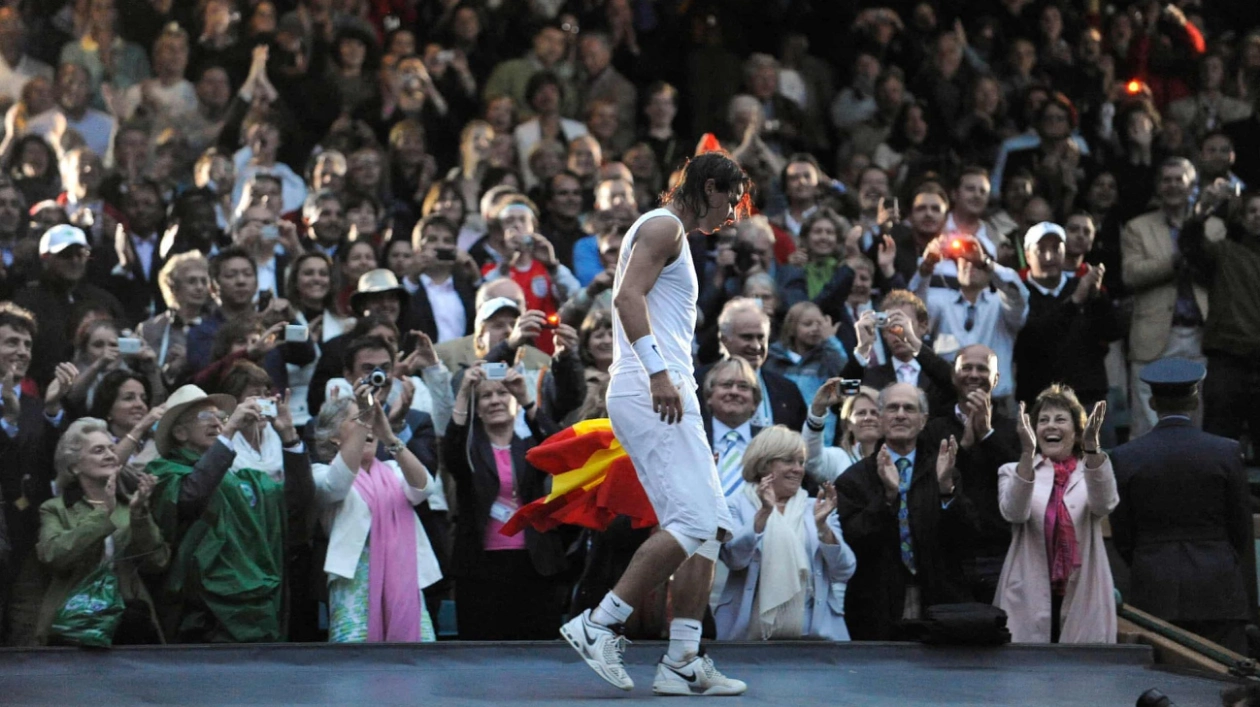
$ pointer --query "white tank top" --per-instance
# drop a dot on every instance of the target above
(671, 307)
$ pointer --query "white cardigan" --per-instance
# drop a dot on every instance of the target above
(347, 520)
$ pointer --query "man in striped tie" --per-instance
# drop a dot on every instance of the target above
(906, 517)
(732, 396)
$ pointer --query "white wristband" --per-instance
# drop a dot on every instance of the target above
(649, 355)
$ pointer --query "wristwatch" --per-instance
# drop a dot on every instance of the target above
(395, 448)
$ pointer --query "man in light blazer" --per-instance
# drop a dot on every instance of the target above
(1169, 308)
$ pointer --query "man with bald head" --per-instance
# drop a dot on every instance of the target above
(987, 439)
(904, 513)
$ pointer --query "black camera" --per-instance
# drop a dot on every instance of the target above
(377, 378)
(745, 253)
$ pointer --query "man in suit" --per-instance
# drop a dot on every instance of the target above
(1184, 519)
(987, 439)
(908, 359)
(28, 432)
(442, 305)
(732, 396)
(1169, 307)
(744, 331)
(905, 516)
(131, 268)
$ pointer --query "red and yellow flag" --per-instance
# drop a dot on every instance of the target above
(594, 482)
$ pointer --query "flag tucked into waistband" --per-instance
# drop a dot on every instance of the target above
(594, 482)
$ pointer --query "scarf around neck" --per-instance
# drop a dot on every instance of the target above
(1062, 552)
(785, 570)
(394, 604)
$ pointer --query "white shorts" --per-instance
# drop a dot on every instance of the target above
(674, 462)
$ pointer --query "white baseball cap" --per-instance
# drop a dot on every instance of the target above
(60, 237)
(1041, 230)
(492, 306)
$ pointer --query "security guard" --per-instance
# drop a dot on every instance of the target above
(1184, 519)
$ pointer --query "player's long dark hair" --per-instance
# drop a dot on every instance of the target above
(726, 175)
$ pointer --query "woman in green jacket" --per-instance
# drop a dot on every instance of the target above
(94, 521)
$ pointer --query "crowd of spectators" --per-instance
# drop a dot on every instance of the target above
(265, 260)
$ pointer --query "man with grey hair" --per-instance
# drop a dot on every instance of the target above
(784, 126)
(744, 332)
(601, 81)
(904, 513)
(1169, 307)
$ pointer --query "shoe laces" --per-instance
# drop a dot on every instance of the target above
(710, 670)
(614, 648)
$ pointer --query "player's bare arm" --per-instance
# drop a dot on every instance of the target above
(655, 246)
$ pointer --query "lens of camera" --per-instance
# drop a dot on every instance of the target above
(377, 378)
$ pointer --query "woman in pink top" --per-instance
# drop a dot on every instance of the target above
(508, 588)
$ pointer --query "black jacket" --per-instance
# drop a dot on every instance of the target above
(472, 467)
(978, 468)
(57, 309)
(1184, 524)
(786, 404)
(936, 378)
(419, 312)
(26, 477)
(1063, 342)
(875, 599)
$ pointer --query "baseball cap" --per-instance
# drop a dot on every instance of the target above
(1041, 230)
(492, 306)
(60, 237)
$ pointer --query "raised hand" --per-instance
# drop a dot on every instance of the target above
(528, 326)
(1093, 426)
(828, 396)
(888, 474)
(824, 505)
(566, 339)
(865, 329)
(887, 256)
(516, 385)
(982, 413)
(283, 424)
(765, 491)
(9, 393)
(139, 501)
(1027, 435)
(64, 378)
(398, 411)
(268, 342)
(945, 462)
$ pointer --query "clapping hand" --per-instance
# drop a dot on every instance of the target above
(824, 506)
(979, 408)
(64, 378)
(1093, 427)
(945, 463)
(888, 474)
(1027, 437)
(139, 501)
(10, 393)
(765, 491)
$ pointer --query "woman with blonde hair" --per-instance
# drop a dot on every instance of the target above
(788, 561)
(1056, 583)
(859, 435)
(807, 352)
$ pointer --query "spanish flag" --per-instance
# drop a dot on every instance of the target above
(594, 482)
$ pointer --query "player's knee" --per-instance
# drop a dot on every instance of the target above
(693, 545)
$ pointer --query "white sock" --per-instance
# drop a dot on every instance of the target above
(684, 640)
(611, 611)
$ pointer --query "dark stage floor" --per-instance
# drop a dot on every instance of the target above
(550, 674)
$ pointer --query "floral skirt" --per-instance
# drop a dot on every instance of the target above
(348, 607)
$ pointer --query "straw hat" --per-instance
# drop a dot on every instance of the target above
(375, 282)
(180, 401)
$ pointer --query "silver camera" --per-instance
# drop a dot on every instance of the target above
(881, 320)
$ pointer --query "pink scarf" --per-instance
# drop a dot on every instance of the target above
(1062, 551)
(394, 603)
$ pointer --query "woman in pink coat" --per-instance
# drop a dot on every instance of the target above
(1056, 583)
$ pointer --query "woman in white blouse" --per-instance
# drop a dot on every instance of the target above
(789, 563)
(379, 557)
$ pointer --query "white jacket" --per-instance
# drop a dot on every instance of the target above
(347, 520)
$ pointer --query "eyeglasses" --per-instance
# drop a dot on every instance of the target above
(737, 385)
(208, 416)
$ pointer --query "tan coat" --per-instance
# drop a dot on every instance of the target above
(1089, 607)
(1147, 250)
